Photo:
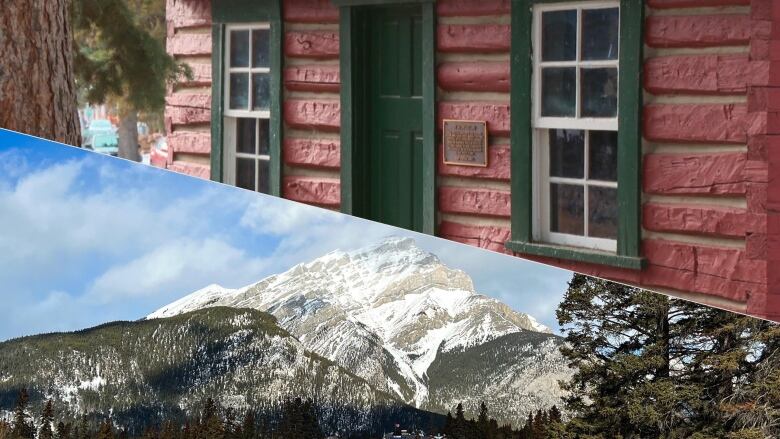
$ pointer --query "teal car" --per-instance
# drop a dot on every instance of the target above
(99, 126)
(100, 136)
(104, 143)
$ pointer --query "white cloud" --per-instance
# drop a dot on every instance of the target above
(126, 244)
(176, 268)
(13, 164)
(306, 232)
(52, 218)
(47, 220)
(266, 215)
(322, 237)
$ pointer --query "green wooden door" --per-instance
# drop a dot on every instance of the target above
(395, 119)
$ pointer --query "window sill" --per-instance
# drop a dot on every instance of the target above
(577, 254)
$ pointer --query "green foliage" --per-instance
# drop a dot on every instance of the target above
(119, 52)
(47, 417)
(457, 372)
(249, 426)
(22, 425)
(211, 426)
(106, 430)
(650, 366)
(63, 430)
(298, 420)
(295, 418)
(150, 372)
(546, 424)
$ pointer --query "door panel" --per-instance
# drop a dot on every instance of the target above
(395, 116)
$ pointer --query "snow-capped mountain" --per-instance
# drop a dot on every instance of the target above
(145, 372)
(396, 316)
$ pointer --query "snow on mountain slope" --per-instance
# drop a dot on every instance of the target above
(384, 312)
(145, 372)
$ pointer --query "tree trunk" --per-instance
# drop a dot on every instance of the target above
(128, 135)
(37, 90)
(664, 337)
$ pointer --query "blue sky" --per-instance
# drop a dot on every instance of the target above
(86, 238)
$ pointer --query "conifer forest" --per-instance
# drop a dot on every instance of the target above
(645, 366)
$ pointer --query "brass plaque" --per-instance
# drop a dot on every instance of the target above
(465, 142)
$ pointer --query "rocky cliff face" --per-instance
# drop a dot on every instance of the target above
(397, 317)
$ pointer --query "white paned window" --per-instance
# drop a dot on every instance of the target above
(575, 123)
(247, 73)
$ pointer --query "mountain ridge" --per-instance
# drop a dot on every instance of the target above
(146, 371)
(386, 312)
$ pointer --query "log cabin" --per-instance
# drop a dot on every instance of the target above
(635, 140)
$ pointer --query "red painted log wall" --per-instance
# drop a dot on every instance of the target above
(310, 11)
(695, 174)
(474, 76)
(473, 38)
(698, 30)
(311, 44)
(188, 105)
(711, 127)
(700, 74)
(313, 78)
(497, 168)
(311, 151)
(312, 114)
(709, 123)
(455, 8)
(317, 191)
(768, 50)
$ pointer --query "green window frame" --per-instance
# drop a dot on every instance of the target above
(629, 156)
(242, 13)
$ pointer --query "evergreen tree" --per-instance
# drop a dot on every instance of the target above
(733, 362)
(528, 429)
(5, 430)
(460, 427)
(538, 424)
(120, 57)
(169, 431)
(22, 425)
(232, 428)
(554, 428)
(63, 430)
(506, 432)
(449, 424)
(106, 430)
(186, 432)
(211, 426)
(101, 49)
(555, 414)
(299, 420)
(650, 366)
(150, 433)
(618, 343)
(47, 418)
(483, 422)
(459, 416)
(83, 431)
(754, 408)
(249, 426)
(492, 429)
